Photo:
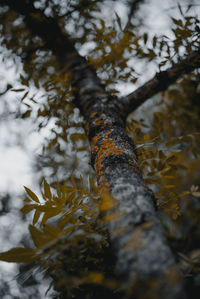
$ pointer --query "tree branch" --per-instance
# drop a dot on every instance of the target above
(160, 82)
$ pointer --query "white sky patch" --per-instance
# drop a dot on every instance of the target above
(15, 169)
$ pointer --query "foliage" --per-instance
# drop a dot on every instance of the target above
(69, 235)
(168, 149)
(71, 241)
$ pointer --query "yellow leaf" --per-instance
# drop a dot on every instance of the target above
(18, 90)
(28, 208)
(32, 194)
(146, 137)
(38, 237)
(47, 190)
(18, 255)
(36, 216)
(169, 186)
(172, 158)
(51, 230)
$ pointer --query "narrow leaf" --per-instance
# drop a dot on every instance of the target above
(18, 255)
(47, 190)
(32, 194)
(37, 236)
(28, 208)
(36, 216)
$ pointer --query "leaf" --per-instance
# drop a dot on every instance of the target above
(169, 186)
(18, 90)
(26, 114)
(18, 255)
(146, 137)
(51, 230)
(118, 21)
(145, 37)
(186, 192)
(177, 22)
(180, 9)
(24, 96)
(194, 188)
(154, 41)
(47, 190)
(38, 237)
(28, 208)
(32, 194)
(52, 212)
(93, 186)
(24, 81)
(197, 194)
(172, 158)
(36, 216)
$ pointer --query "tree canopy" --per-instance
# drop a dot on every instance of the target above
(126, 224)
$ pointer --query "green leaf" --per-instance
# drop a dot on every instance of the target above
(47, 190)
(32, 194)
(18, 255)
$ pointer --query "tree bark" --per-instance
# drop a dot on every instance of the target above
(145, 263)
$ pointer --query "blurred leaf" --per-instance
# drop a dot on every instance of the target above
(47, 190)
(18, 255)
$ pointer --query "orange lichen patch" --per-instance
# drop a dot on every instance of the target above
(95, 139)
(98, 121)
(134, 166)
(107, 148)
(93, 114)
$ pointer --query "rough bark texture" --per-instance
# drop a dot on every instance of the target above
(143, 255)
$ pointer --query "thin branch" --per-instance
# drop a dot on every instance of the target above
(160, 82)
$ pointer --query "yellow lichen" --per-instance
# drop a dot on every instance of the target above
(98, 121)
(93, 114)
(108, 147)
